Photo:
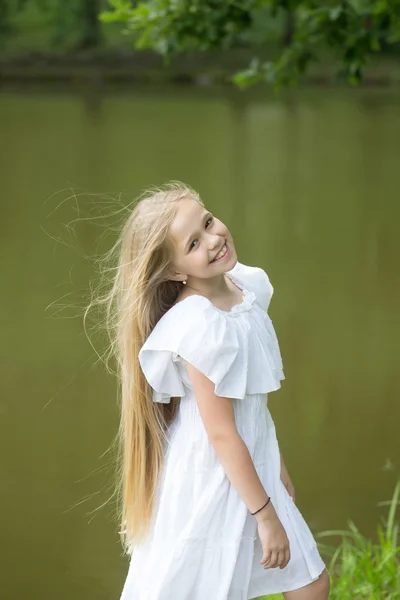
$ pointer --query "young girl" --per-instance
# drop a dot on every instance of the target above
(208, 508)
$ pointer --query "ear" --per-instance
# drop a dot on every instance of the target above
(174, 276)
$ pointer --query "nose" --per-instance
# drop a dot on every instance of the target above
(214, 242)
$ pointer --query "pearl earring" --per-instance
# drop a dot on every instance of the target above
(184, 282)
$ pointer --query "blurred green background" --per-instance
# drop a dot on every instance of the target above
(307, 181)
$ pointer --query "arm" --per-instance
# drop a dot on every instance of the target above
(219, 421)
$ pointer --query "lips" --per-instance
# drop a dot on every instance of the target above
(219, 252)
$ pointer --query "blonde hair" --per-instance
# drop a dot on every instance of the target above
(139, 295)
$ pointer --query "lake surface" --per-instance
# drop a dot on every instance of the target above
(309, 186)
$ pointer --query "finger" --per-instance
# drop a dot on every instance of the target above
(281, 559)
(272, 562)
(286, 558)
(266, 557)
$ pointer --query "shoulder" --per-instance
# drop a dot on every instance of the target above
(256, 280)
(191, 326)
(198, 333)
(192, 314)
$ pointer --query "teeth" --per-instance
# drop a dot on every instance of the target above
(222, 253)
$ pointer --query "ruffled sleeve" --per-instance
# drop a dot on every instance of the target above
(256, 280)
(194, 330)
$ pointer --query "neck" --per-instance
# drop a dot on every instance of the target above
(213, 287)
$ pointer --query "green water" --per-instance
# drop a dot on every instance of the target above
(308, 185)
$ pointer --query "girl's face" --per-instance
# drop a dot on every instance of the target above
(202, 244)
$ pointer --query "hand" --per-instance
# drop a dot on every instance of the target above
(274, 541)
(286, 480)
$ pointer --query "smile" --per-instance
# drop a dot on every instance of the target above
(221, 255)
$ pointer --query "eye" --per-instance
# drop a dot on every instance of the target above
(209, 220)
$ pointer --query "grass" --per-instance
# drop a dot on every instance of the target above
(359, 568)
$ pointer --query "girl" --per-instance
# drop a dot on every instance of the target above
(208, 508)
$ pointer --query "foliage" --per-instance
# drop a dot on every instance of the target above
(76, 20)
(360, 569)
(349, 30)
(8, 8)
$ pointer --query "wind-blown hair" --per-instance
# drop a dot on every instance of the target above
(139, 295)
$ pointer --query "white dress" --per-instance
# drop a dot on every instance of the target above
(204, 542)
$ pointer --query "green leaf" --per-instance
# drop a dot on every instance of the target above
(335, 12)
(349, 31)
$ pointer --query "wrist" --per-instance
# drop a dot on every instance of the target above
(267, 513)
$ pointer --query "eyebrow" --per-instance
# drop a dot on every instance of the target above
(190, 237)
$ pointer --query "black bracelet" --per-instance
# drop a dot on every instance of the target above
(254, 513)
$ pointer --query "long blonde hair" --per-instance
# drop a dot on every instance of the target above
(139, 295)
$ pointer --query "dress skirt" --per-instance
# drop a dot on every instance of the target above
(204, 542)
